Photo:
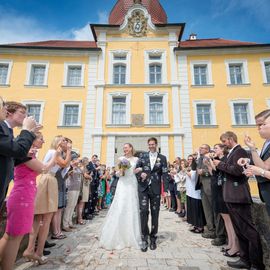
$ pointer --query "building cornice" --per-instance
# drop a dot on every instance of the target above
(253, 48)
(7, 49)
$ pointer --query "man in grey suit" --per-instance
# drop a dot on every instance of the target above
(14, 148)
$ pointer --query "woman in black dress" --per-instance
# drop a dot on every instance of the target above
(218, 177)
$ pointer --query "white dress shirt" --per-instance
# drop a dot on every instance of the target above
(153, 158)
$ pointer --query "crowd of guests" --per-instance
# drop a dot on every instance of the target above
(67, 185)
(209, 190)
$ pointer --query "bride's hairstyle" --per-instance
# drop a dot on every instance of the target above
(132, 151)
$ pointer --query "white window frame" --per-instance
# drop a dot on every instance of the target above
(243, 62)
(208, 64)
(251, 120)
(72, 64)
(62, 110)
(110, 97)
(165, 101)
(212, 103)
(125, 62)
(30, 64)
(36, 102)
(268, 102)
(263, 61)
(10, 64)
(162, 62)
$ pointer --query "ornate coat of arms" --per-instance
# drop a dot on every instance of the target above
(137, 24)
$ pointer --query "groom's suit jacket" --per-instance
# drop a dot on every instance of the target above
(9, 149)
(159, 170)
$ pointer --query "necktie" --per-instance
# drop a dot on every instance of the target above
(11, 132)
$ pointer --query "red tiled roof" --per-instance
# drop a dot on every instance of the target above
(119, 11)
(72, 44)
(214, 42)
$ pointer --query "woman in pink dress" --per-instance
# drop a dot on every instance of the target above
(20, 204)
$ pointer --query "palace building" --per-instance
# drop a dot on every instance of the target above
(137, 79)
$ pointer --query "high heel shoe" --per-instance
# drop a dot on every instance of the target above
(40, 260)
(227, 254)
(32, 257)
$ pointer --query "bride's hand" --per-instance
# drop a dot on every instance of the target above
(137, 170)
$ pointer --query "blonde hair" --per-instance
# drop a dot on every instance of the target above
(131, 146)
(55, 142)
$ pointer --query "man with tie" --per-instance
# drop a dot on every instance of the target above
(14, 148)
(263, 160)
(153, 166)
(236, 194)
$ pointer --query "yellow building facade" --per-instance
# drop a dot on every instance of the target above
(139, 79)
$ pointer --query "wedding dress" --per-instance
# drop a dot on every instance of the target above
(121, 228)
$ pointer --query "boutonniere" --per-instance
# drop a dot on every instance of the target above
(158, 161)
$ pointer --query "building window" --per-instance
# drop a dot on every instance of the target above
(74, 74)
(267, 71)
(237, 72)
(155, 74)
(204, 114)
(156, 110)
(37, 76)
(119, 67)
(3, 73)
(200, 74)
(34, 110)
(119, 110)
(119, 74)
(155, 67)
(241, 113)
(265, 64)
(5, 70)
(71, 115)
(37, 73)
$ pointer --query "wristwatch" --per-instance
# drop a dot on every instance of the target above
(263, 173)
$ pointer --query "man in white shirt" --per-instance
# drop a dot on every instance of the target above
(153, 167)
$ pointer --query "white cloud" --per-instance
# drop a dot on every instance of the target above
(83, 33)
(257, 9)
(15, 27)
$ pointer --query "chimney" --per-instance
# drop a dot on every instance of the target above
(192, 36)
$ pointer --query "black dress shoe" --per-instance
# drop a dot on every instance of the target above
(144, 246)
(153, 245)
(240, 264)
(218, 242)
(49, 245)
(46, 252)
(89, 217)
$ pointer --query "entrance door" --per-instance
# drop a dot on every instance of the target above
(139, 143)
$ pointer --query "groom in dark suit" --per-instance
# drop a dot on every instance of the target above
(152, 166)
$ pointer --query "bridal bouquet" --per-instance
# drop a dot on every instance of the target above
(123, 165)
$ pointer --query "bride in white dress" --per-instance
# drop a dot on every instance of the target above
(121, 228)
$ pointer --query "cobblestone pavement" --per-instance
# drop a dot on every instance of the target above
(177, 249)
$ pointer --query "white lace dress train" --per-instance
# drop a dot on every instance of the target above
(121, 228)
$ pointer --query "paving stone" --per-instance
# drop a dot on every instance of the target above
(178, 249)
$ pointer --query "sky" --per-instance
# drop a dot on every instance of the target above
(37, 20)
